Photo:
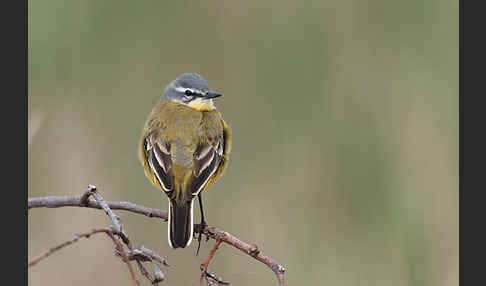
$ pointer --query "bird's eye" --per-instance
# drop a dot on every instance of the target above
(188, 92)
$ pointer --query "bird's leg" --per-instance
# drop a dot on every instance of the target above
(202, 224)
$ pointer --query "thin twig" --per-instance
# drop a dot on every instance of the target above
(66, 243)
(125, 257)
(204, 267)
(145, 254)
(158, 274)
(249, 249)
(212, 280)
(87, 235)
(145, 273)
(114, 218)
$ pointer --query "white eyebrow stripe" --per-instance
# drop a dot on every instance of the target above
(183, 89)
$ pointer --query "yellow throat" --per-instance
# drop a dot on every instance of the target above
(201, 104)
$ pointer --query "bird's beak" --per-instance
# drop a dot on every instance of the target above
(212, 94)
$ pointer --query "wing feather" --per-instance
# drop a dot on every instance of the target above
(161, 164)
(206, 162)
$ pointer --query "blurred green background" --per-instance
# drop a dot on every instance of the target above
(345, 135)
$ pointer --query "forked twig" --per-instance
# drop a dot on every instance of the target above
(140, 255)
(219, 235)
(204, 267)
(91, 191)
(250, 249)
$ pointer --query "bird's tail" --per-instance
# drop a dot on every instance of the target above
(180, 224)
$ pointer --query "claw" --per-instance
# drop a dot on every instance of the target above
(198, 244)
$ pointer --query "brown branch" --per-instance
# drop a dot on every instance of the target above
(57, 247)
(108, 232)
(91, 191)
(139, 255)
(76, 201)
(82, 201)
(145, 254)
(145, 273)
(212, 280)
(204, 267)
(124, 255)
(251, 250)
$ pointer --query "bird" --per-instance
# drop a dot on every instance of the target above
(184, 148)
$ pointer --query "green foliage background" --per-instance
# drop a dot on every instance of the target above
(345, 120)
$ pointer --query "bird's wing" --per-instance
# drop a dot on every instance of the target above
(206, 161)
(223, 153)
(159, 160)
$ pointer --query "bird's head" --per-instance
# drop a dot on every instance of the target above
(193, 90)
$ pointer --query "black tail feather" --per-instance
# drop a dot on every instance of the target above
(180, 224)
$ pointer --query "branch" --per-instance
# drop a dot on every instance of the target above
(249, 249)
(62, 201)
(91, 191)
(140, 255)
(204, 267)
(212, 280)
(108, 232)
(143, 254)
(82, 201)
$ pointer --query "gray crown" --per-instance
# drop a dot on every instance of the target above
(188, 87)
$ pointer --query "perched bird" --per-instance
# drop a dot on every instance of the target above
(184, 149)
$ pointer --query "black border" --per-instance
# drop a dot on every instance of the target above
(14, 22)
(472, 142)
(461, 145)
